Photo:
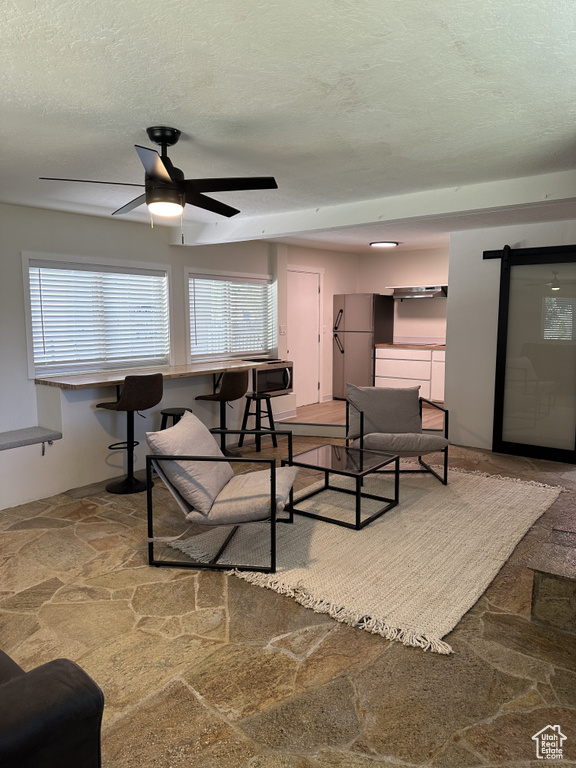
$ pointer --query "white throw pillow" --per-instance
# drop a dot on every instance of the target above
(199, 482)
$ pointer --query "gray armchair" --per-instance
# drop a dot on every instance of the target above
(201, 480)
(50, 717)
(390, 420)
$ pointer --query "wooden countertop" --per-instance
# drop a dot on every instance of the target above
(410, 346)
(115, 377)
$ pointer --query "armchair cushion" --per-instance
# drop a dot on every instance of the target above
(386, 410)
(246, 497)
(199, 482)
(404, 444)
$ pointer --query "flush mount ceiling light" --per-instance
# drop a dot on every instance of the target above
(384, 244)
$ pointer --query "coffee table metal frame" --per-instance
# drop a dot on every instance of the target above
(356, 456)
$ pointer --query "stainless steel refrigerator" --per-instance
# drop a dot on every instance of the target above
(361, 320)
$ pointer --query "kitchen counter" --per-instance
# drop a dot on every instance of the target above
(115, 377)
(410, 346)
(67, 405)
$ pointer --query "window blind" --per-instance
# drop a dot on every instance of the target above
(558, 318)
(231, 316)
(90, 319)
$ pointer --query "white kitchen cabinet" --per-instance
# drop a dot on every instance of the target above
(408, 367)
(437, 377)
(403, 369)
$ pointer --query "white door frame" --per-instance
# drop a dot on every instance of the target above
(320, 272)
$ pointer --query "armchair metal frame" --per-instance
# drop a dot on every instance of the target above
(425, 467)
(153, 462)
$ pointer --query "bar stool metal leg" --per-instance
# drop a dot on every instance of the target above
(260, 402)
(223, 426)
(128, 484)
(271, 420)
(258, 413)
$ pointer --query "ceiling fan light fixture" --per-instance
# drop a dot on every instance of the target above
(385, 244)
(164, 202)
(165, 208)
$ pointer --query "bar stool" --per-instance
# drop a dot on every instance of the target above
(233, 386)
(138, 394)
(263, 408)
(172, 413)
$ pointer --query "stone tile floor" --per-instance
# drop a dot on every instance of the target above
(201, 669)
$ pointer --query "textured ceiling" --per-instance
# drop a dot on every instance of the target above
(341, 100)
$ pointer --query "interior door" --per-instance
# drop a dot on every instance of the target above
(535, 397)
(303, 334)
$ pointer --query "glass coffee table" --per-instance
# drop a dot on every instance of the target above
(349, 462)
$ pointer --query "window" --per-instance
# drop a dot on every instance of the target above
(90, 318)
(558, 315)
(231, 315)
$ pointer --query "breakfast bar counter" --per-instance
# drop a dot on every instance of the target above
(67, 405)
(115, 377)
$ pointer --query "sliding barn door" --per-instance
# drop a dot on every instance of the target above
(535, 395)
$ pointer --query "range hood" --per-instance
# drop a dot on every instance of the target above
(419, 291)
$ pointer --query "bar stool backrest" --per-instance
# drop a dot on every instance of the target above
(140, 392)
(234, 385)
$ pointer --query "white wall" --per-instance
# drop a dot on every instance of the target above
(82, 457)
(472, 320)
(28, 229)
(415, 319)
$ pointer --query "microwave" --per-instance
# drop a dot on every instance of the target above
(273, 379)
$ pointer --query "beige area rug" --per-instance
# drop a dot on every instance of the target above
(411, 574)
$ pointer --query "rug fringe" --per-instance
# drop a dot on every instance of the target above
(375, 626)
(480, 473)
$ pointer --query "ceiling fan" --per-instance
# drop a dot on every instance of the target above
(166, 189)
(555, 284)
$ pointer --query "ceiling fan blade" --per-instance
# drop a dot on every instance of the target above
(230, 185)
(153, 164)
(91, 181)
(201, 201)
(131, 205)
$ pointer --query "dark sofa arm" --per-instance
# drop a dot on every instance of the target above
(50, 717)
